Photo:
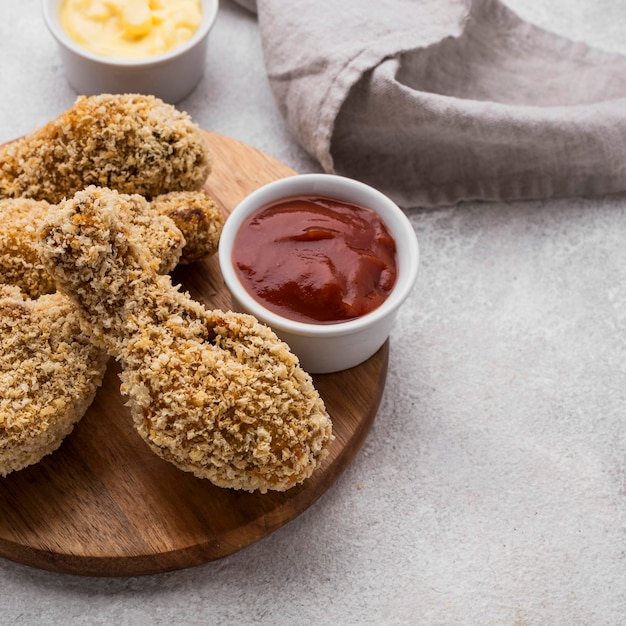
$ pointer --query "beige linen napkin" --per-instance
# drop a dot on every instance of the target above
(438, 101)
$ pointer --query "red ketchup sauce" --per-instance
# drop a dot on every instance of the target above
(316, 259)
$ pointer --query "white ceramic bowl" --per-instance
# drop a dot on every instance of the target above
(170, 76)
(325, 348)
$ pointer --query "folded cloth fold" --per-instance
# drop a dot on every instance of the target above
(439, 101)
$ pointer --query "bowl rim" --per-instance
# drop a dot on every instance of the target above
(328, 185)
(51, 8)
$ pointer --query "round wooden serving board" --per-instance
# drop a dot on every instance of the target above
(104, 505)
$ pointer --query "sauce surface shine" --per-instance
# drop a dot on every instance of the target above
(316, 259)
(130, 29)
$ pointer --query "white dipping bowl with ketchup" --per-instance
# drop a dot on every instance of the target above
(167, 72)
(325, 261)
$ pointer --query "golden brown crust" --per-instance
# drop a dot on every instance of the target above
(20, 264)
(49, 374)
(131, 143)
(199, 218)
(19, 255)
(179, 227)
(49, 369)
(215, 393)
(35, 387)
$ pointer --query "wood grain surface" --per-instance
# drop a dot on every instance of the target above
(105, 505)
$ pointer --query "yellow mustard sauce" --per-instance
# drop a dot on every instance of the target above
(130, 29)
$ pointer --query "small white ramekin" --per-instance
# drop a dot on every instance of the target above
(326, 348)
(170, 76)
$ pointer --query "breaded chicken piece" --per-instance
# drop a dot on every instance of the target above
(179, 227)
(131, 143)
(49, 374)
(215, 393)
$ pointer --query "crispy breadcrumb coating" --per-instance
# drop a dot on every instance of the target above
(20, 264)
(179, 227)
(49, 368)
(49, 374)
(43, 349)
(19, 257)
(131, 143)
(215, 393)
(198, 217)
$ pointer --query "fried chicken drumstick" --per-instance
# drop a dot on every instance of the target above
(215, 393)
(128, 142)
(49, 374)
